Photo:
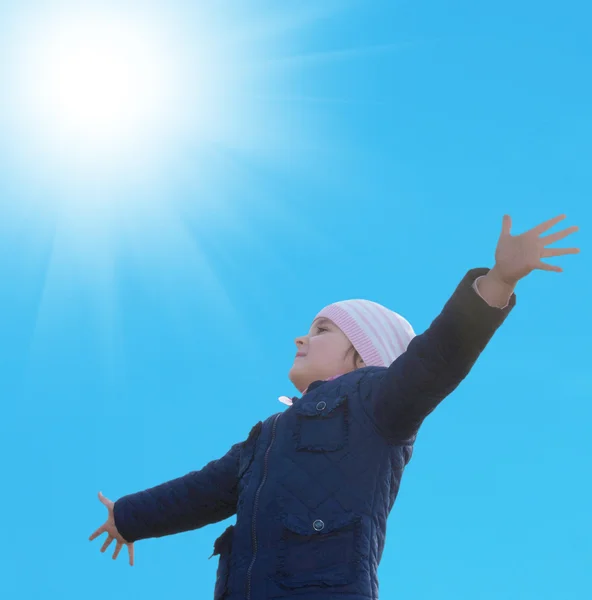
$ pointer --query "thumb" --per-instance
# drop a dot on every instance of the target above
(105, 501)
(506, 225)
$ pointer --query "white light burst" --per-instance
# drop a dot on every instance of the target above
(87, 87)
(120, 121)
(129, 128)
(100, 101)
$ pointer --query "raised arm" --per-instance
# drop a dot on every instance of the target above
(436, 361)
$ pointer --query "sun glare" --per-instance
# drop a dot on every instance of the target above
(109, 109)
(107, 96)
(96, 83)
(89, 89)
(129, 129)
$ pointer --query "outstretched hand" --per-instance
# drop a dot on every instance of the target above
(517, 256)
(112, 534)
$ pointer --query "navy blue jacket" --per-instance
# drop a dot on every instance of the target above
(312, 486)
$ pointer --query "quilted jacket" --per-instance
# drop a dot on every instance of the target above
(312, 486)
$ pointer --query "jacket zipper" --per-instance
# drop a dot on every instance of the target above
(255, 505)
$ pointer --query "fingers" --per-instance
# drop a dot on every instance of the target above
(548, 253)
(108, 541)
(506, 225)
(555, 237)
(118, 548)
(545, 267)
(105, 501)
(97, 533)
(560, 252)
(547, 225)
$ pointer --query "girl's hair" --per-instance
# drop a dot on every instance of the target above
(356, 355)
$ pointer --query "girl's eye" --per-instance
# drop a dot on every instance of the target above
(319, 329)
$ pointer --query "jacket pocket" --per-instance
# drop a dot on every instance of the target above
(247, 452)
(223, 548)
(318, 552)
(321, 425)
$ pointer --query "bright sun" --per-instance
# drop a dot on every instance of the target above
(98, 83)
(96, 94)
(90, 88)
(108, 108)
(130, 128)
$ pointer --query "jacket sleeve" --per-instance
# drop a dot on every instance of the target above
(435, 362)
(189, 502)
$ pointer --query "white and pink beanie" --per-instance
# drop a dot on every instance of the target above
(378, 334)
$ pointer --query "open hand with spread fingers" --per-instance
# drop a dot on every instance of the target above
(112, 534)
(517, 256)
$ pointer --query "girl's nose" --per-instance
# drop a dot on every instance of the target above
(300, 341)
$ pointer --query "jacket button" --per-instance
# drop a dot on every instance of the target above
(321, 405)
(318, 525)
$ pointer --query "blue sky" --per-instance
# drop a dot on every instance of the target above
(365, 150)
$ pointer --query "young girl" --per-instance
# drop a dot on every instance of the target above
(312, 486)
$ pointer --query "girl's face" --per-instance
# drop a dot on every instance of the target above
(321, 354)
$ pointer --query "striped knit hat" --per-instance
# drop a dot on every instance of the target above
(378, 334)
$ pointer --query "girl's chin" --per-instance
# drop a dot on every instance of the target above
(299, 377)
